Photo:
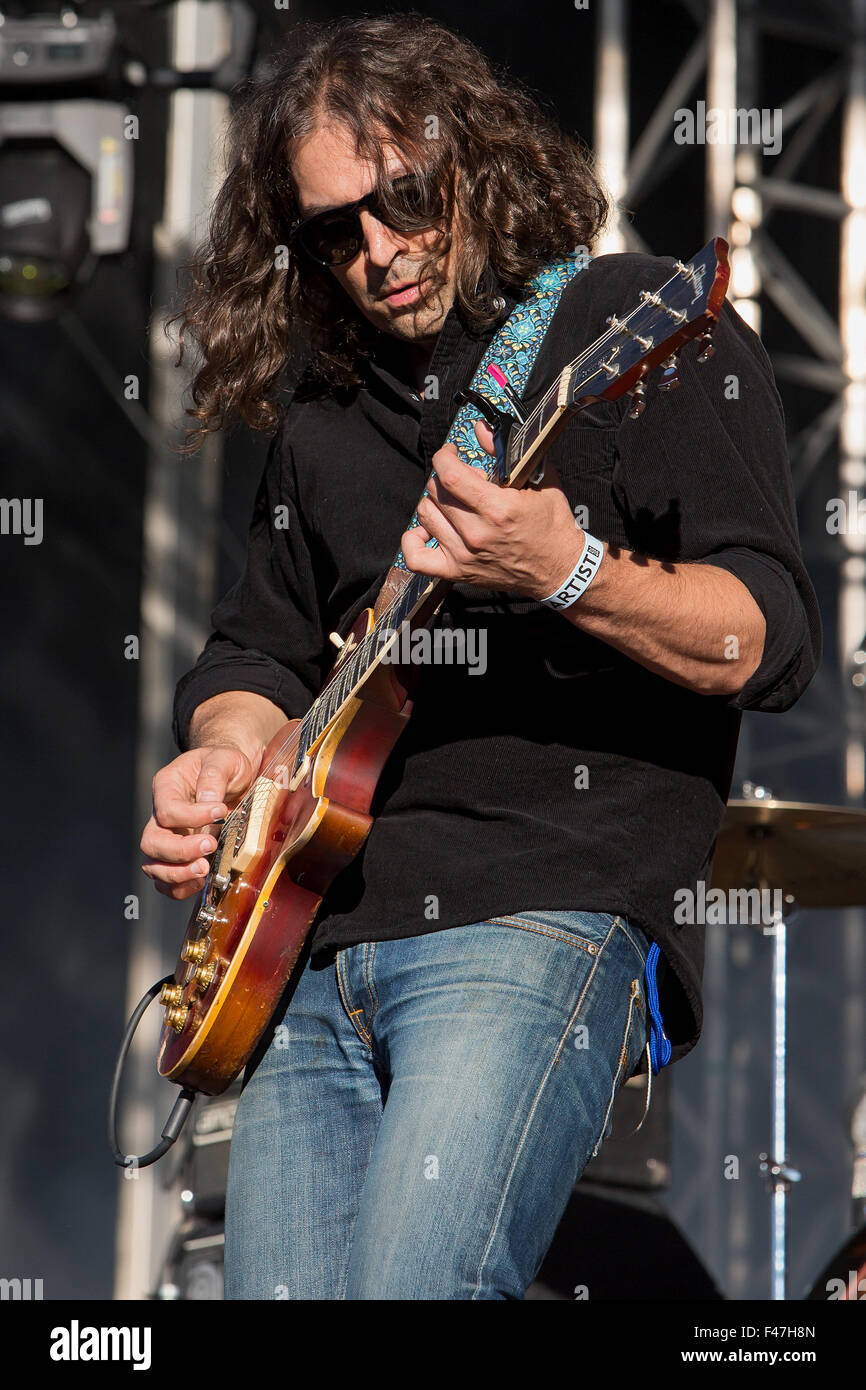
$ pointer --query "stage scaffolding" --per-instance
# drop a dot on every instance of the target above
(734, 45)
(740, 200)
(180, 548)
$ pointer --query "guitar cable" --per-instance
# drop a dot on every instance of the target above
(180, 1110)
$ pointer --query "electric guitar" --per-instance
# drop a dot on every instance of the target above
(307, 813)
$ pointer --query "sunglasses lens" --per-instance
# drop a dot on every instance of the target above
(335, 238)
(411, 204)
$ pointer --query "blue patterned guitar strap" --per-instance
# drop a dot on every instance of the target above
(513, 350)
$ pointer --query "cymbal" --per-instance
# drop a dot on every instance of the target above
(817, 854)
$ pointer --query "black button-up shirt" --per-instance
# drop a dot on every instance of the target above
(566, 775)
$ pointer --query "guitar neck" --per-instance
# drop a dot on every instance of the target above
(528, 442)
(417, 592)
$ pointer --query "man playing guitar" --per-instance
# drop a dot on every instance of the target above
(480, 980)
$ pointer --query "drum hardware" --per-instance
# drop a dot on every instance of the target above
(806, 856)
(844, 1278)
(777, 1172)
(858, 1174)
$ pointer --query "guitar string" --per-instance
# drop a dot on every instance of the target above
(291, 743)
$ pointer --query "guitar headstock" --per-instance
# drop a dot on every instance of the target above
(654, 332)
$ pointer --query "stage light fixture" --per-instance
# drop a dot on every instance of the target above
(65, 165)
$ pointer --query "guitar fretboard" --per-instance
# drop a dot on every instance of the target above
(356, 666)
(524, 437)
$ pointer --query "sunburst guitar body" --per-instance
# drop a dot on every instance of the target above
(277, 854)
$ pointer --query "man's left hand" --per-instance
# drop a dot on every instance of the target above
(510, 540)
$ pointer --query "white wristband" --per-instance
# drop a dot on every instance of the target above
(581, 576)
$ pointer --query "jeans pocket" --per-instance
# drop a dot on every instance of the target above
(640, 943)
(635, 1018)
(588, 930)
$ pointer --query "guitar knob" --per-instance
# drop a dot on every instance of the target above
(707, 347)
(176, 1017)
(670, 374)
(204, 976)
(207, 916)
(638, 397)
(221, 882)
(171, 994)
(194, 951)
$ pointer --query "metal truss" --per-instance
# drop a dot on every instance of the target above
(181, 530)
(724, 63)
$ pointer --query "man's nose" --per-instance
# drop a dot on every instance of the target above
(382, 242)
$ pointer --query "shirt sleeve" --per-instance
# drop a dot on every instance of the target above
(267, 631)
(703, 475)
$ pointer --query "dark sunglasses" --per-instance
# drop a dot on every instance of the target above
(336, 236)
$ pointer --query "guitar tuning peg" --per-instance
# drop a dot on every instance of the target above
(638, 398)
(707, 346)
(670, 373)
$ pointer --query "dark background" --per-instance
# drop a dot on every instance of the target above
(69, 706)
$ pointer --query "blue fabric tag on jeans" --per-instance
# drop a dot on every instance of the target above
(660, 1048)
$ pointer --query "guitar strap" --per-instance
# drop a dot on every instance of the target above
(514, 350)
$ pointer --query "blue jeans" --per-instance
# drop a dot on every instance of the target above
(426, 1105)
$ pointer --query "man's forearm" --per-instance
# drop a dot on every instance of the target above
(695, 624)
(236, 719)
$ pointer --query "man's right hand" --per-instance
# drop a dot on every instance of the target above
(188, 795)
(229, 734)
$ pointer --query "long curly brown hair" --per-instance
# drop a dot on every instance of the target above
(525, 191)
